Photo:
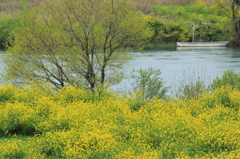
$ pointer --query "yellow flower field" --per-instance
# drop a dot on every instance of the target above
(73, 123)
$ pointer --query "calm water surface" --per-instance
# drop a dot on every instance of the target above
(181, 64)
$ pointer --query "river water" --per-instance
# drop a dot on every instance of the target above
(183, 65)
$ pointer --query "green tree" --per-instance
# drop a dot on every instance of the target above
(232, 10)
(80, 43)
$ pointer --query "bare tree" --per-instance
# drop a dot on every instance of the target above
(72, 42)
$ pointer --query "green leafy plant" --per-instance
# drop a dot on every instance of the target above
(229, 77)
(149, 82)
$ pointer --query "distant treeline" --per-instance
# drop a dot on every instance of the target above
(173, 23)
(170, 20)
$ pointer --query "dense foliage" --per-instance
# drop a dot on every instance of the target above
(6, 26)
(174, 23)
(231, 9)
(170, 22)
(73, 123)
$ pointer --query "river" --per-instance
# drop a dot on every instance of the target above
(184, 65)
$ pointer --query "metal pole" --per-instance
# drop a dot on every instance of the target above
(193, 34)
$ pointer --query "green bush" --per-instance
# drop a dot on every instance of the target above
(6, 26)
(6, 93)
(149, 82)
(229, 77)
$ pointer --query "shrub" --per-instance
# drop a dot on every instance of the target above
(149, 83)
(7, 93)
(6, 26)
(229, 77)
(16, 118)
(224, 96)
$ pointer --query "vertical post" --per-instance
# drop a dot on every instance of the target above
(193, 33)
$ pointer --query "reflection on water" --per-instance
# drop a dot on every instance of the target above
(199, 48)
(154, 48)
(178, 63)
